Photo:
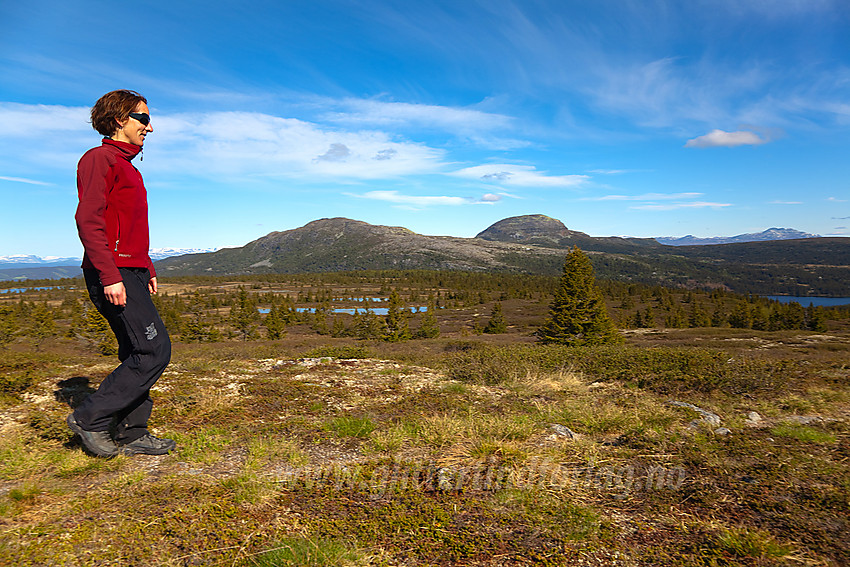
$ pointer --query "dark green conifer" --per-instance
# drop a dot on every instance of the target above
(8, 325)
(577, 314)
(275, 322)
(244, 315)
(428, 326)
(396, 327)
(497, 324)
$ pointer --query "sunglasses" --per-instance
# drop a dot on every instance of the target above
(142, 117)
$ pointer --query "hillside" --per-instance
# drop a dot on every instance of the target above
(340, 244)
(535, 244)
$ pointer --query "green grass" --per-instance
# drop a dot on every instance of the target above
(203, 445)
(803, 433)
(306, 552)
(350, 426)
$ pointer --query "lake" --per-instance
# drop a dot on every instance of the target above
(816, 301)
(350, 311)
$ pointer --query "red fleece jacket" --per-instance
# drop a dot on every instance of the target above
(112, 217)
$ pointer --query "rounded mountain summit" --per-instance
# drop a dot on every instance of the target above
(528, 229)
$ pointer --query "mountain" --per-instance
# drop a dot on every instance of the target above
(340, 244)
(39, 272)
(163, 253)
(540, 230)
(30, 261)
(769, 234)
(30, 267)
(535, 244)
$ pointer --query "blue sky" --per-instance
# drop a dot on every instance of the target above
(635, 118)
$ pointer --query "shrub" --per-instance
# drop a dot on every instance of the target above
(664, 370)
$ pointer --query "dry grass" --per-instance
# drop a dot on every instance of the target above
(388, 460)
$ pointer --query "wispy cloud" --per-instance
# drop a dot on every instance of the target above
(421, 201)
(33, 120)
(377, 112)
(662, 201)
(519, 176)
(722, 139)
(614, 171)
(786, 202)
(23, 180)
(487, 129)
(674, 206)
(645, 197)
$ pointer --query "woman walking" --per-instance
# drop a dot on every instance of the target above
(112, 221)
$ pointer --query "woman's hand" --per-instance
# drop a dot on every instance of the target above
(116, 294)
(152, 285)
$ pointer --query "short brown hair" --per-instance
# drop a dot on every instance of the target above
(112, 107)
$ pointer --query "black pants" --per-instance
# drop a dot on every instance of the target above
(144, 350)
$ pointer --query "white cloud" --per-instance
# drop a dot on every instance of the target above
(613, 171)
(447, 118)
(519, 175)
(33, 120)
(472, 125)
(646, 197)
(23, 180)
(719, 138)
(418, 201)
(247, 144)
(786, 202)
(675, 206)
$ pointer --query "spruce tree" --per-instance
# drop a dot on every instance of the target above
(395, 324)
(96, 329)
(275, 322)
(497, 323)
(8, 325)
(41, 324)
(428, 326)
(577, 314)
(244, 315)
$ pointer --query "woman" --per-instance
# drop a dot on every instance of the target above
(112, 221)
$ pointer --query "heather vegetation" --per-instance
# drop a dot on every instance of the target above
(414, 418)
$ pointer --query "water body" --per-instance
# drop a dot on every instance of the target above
(351, 310)
(25, 289)
(816, 301)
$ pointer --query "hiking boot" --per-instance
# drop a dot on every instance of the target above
(147, 445)
(99, 443)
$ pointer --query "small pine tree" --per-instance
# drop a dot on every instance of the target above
(698, 316)
(395, 324)
(196, 329)
(96, 330)
(741, 316)
(428, 326)
(367, 325)
(275, 322)
(816, 319)
(497, 324)
(8, 325)
(244, 315)
(338, 328)
(577, 314)
(42, 325)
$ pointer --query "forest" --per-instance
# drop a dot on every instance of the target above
(384, 305)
